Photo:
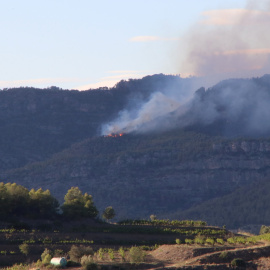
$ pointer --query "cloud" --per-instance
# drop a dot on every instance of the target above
(150, 38)
(234, 16)
(111, 80)
(101, 83)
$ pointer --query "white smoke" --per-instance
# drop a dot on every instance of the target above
(132, 121)
(230, 43)
(226, 44)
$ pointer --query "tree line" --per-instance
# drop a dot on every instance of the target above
(18, 201)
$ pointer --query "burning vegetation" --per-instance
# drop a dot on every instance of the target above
(115, 135)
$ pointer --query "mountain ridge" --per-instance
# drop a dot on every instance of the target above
(51, 139)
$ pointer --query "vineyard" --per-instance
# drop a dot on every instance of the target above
(102, 236)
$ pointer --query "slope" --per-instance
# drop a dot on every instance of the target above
(245, 206)
(151, 174)
(36, 123)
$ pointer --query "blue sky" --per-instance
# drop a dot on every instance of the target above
(86, 44)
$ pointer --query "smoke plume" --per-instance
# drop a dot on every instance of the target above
(224, 44)
(229, 43)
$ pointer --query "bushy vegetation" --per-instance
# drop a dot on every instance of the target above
(136, 255)
(238, 262)
(88, 263)
(164, 222)
(108, 213)
(46, 256)
(77, 252)
(77, 205)
(24, 248)
(18, 201)
(264, 229)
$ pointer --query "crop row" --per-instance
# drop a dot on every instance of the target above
(164, 222)
(152, 230)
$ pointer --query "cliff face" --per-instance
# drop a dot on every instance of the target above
(144, 181)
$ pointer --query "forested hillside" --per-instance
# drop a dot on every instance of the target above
(200, 147)
(35, 123)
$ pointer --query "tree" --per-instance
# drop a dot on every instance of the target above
(78, 205)
(42, 203)
(108, 213)
(24, 248)
(18, 199)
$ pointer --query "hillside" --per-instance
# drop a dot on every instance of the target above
(167, 163)
(142, 175)
(246, 205)
(36, 123)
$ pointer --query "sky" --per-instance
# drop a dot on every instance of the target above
(87, 44)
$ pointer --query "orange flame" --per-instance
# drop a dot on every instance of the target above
(115, 135)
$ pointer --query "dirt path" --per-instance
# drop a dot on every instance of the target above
(246, 253)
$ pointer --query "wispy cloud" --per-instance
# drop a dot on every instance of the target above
(111, 80)
(234, 16)
(151, 38)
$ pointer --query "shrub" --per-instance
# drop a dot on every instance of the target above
(24, 248)
(231, 240)
(241, 240)
(237, 262)
(121, 252)
(18, 267)
(264, 229)
(44, 255)
(101, 253)
(188, 241)
(223, 255)
(178, 241)
(136, 255)
(210, 241)
(199, 240)
(111, 254)
(39, 264)
(76, 252)
(87, 263)
(47, 259)
(220, 241)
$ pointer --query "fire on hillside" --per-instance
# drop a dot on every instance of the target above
(115, 135)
